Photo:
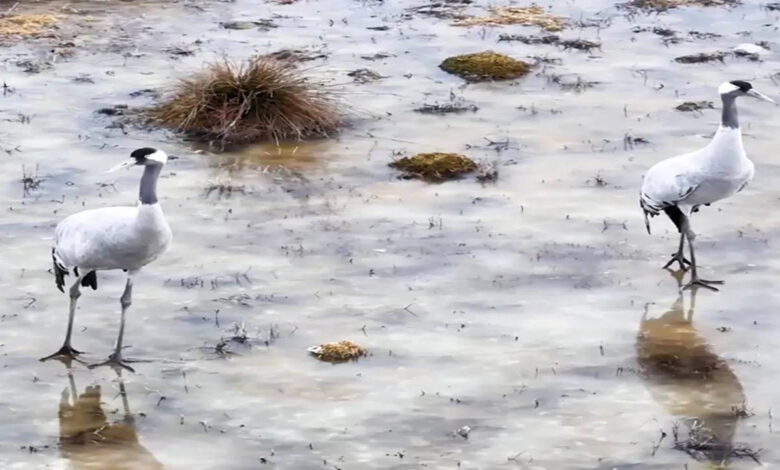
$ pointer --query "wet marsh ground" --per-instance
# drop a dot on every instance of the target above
(523, 309)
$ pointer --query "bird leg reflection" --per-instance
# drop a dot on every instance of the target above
(89, 441)
(688, 379)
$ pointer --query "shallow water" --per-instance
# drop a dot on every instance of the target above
(523, 309)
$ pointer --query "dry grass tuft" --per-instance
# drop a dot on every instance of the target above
(528, 16)
(338, 352)
(25, 25)
(435, 167)
(485, 66)
(251, 102)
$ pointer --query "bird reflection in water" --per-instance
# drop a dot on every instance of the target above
(690, 381)
(89, 441)
(284, 156)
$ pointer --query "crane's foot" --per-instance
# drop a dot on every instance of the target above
(116, 362)
(679, 258)
(66, 354)
(695, 283)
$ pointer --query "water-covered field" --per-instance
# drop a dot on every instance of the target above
(532, 310)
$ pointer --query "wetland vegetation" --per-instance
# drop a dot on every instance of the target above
(330, 195)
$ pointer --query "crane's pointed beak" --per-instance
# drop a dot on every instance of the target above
(125, 164)
(759, 95)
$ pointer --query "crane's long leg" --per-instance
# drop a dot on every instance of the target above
(67, 352)
(115, 359)
(696, 281)
(679, 256)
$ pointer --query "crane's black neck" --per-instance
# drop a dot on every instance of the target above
(148, 191)
(729, 117)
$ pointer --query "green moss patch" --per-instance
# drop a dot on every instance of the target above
(485, 66)
(435, 167)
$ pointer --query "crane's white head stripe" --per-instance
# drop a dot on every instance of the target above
(143, 155)
(158, 156)
(727, 88)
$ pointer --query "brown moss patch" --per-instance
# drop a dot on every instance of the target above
(435, 167)
(528, 16)
(341, 351)
(295, 56)
(25, 25)
(663, 5)
(690, 106)
(485, 66)
(262, 99)
(701, 58)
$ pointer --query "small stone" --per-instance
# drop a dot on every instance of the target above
(751, 51)
(242, 25)
(116, 110)
(83, 78)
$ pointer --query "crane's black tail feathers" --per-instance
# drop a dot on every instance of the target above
(648, 209)
(59, 272)
(676, 215)
(90, 280)
(647, 221)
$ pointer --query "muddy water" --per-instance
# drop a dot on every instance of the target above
(532, 310)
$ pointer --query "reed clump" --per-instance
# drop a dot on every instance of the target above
(262, 99)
